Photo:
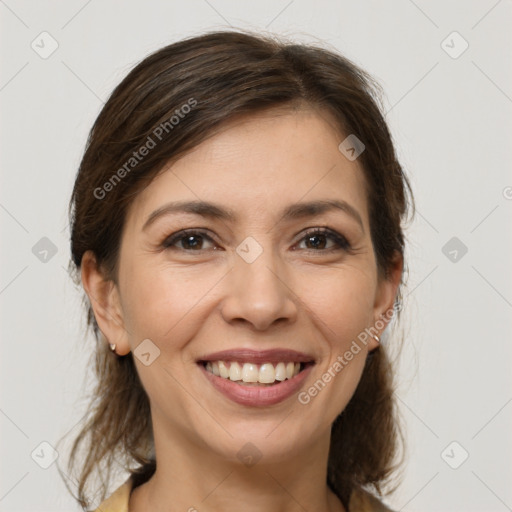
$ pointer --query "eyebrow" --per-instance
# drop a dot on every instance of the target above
(291, 212)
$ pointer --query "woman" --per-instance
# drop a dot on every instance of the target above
(237, 228)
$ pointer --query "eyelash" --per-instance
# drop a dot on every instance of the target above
(341, 241)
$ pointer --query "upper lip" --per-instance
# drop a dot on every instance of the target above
(259, 356)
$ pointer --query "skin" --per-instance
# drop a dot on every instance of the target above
(194, 301)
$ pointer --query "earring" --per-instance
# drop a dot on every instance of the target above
(376, 338)
(113, 347)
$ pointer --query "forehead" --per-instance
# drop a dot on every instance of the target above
(258, 164)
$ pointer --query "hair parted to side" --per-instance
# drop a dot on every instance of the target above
(222, 75)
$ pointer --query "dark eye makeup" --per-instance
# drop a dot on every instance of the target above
(192, 240)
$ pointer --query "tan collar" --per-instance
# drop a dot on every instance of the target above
(360, 501)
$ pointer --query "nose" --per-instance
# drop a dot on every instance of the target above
(258, 293)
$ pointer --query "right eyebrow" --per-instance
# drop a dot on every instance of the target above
(202, 208)
(291, 212)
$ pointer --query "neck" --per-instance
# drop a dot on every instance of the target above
(190, 478)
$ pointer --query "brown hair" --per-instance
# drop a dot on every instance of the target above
(184, 92)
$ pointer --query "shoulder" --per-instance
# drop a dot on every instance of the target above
(360, 500)
(118, 501)
(363, 501)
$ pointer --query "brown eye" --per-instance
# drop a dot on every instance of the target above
(317, 240)
(187, 240)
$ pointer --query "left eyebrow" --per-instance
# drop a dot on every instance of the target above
(314, 208)
(291, 212)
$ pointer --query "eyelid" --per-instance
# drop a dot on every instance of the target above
(182, 233)
(341, 241)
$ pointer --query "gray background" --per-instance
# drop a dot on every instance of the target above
(451, 119)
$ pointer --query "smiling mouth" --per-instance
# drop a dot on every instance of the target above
(252, 374)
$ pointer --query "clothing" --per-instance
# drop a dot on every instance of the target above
(360, 501)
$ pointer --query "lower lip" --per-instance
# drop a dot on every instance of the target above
(257, 396)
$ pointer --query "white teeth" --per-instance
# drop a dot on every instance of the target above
(224, 370)
(267, 373)
(250, 372)
(280, 371)
(235, 373)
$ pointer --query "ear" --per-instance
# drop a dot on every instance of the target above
(385, 297)
(105, 301)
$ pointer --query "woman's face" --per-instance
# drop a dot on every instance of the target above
(259, 280)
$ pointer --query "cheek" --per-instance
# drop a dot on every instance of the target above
(160, 301)
(342, 301)
(341, 308)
